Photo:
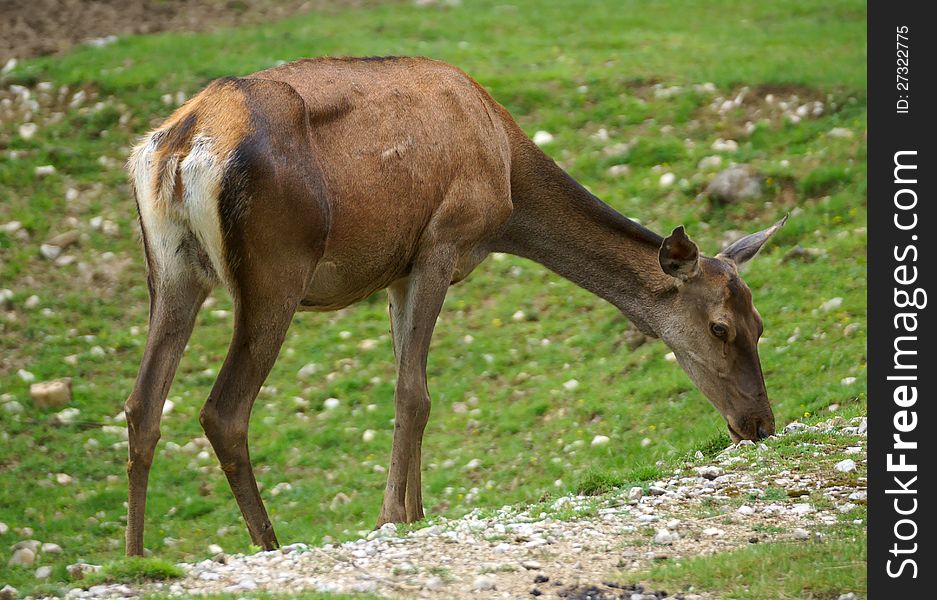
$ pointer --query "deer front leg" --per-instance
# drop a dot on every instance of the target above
(415, 303)
(172, 317)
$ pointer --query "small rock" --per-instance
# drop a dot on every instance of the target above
(22, 557)
(851, 329)
(531, 565)
(709, 472)
(667, 179)
(845, 466)
(801, 509)
(44, 170)
(51, 548)
(368, 435)
(4, 528)
(635, 493)
(65, 240)
(79, 570)
(840, 132)
(339, 500)
(666, 537)
(331, 403)
(49, 252)
(801, 534)
(721, 145)
(735, 184)
(434, 583)
(280, 488)
(63, 478)
(619, 170)
(713, 532)
(600, 440)
(709, 162)
(31, 302)
(745, 510)
(847, 380)
(542, 138)
(571, 385)
(215, 549)
(8, 592)
(28, 130)
(51, 394)
(308, 371)
(43, 572)
(831, 304)
(484, 582)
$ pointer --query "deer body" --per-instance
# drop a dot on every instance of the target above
(311, 185)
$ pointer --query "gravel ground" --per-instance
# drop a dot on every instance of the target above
(568, 548)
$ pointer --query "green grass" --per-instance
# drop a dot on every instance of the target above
(817, 570)
(571, 68)
(133, 569)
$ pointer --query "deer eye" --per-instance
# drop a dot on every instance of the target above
(719, 330)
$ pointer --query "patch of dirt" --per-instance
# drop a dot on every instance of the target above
(42, 27)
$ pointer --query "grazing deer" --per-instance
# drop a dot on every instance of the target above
(312, 185)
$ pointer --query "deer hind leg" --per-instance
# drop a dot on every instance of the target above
(261, 320)
(415, 303)
(174, 302)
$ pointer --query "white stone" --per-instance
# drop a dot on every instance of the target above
(368, 435)
(28, 130)
(800, 534)
(745, 510)
(43, 572)
(542, 138)
(847, 380)
(670, 357)
(713, 532)
(831, 304)
(840, 132)
(63, 479)
(51, 548)
(280, 488)
(600, 440)
(635, 493)
(845, 466)
(22, 557)
(665, 536)
(571, 385)
(667, 179)
(43, 170)
(331, 403)
(484, 583)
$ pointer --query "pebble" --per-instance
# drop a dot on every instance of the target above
(745, 510)
(22, 557)
(44, 170)
(840, 132)
(600, 440)
(713, 532)
(735, 184)
(331, 403)
(571, 385)
(831, 304)
(801, 534)
(8, 592)
(4, 528)
(845, 466)
(635, 493)
(849, 596)
(50, 394)
(847, 380)
(51, 548)
(666, 537)
(43, 572)
(484, 583)
(542, 138)
(667, 179)
(368, 435)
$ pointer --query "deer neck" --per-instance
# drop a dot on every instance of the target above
(559, 224)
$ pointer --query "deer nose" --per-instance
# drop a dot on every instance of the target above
(765, 431)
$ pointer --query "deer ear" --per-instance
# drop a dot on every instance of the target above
(679, 256)
(744, 249)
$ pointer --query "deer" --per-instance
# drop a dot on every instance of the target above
(314, 184)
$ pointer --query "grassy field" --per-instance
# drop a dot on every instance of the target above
(641, 84)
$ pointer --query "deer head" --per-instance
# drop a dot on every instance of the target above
(713, 329)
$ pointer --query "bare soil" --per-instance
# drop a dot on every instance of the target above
(43, 27)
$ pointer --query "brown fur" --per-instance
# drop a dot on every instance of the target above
(329, 179)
